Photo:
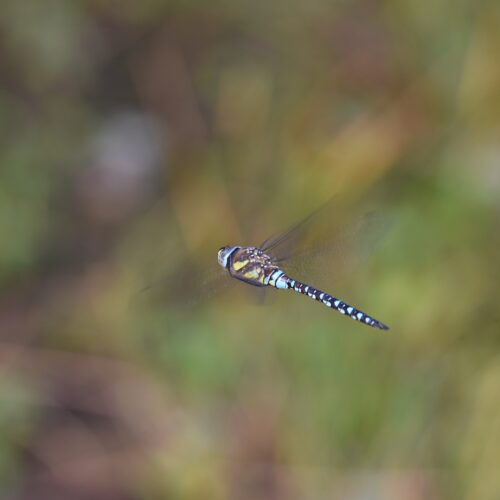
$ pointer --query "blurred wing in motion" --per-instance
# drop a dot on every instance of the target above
(188, 287)
(319, 248)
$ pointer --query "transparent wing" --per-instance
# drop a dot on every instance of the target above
(283, 245)
(344, 252)
(188, 287)
(327, 246)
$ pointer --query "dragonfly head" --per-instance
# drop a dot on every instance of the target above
(224, 254)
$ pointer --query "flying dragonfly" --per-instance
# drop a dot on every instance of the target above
(257, 266)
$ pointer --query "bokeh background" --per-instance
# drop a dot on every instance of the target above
(139, 137)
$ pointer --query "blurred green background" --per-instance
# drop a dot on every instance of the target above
(139, 137)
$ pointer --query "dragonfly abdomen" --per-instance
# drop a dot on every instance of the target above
(284, 282)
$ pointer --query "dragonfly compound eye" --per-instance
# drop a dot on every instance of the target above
(224, 254)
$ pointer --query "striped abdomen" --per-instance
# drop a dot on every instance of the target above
(284, 282)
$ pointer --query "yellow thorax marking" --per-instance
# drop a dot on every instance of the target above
(239, 264)
(252, 273)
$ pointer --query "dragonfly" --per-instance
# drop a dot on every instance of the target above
(257, 266)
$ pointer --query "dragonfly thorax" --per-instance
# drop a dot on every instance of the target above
(249, 264)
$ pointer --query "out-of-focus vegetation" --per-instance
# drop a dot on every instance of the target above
(139, 137)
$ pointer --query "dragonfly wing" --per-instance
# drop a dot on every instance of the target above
(292, 235)
(299, 237)
(188, 287)
(338, 251)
